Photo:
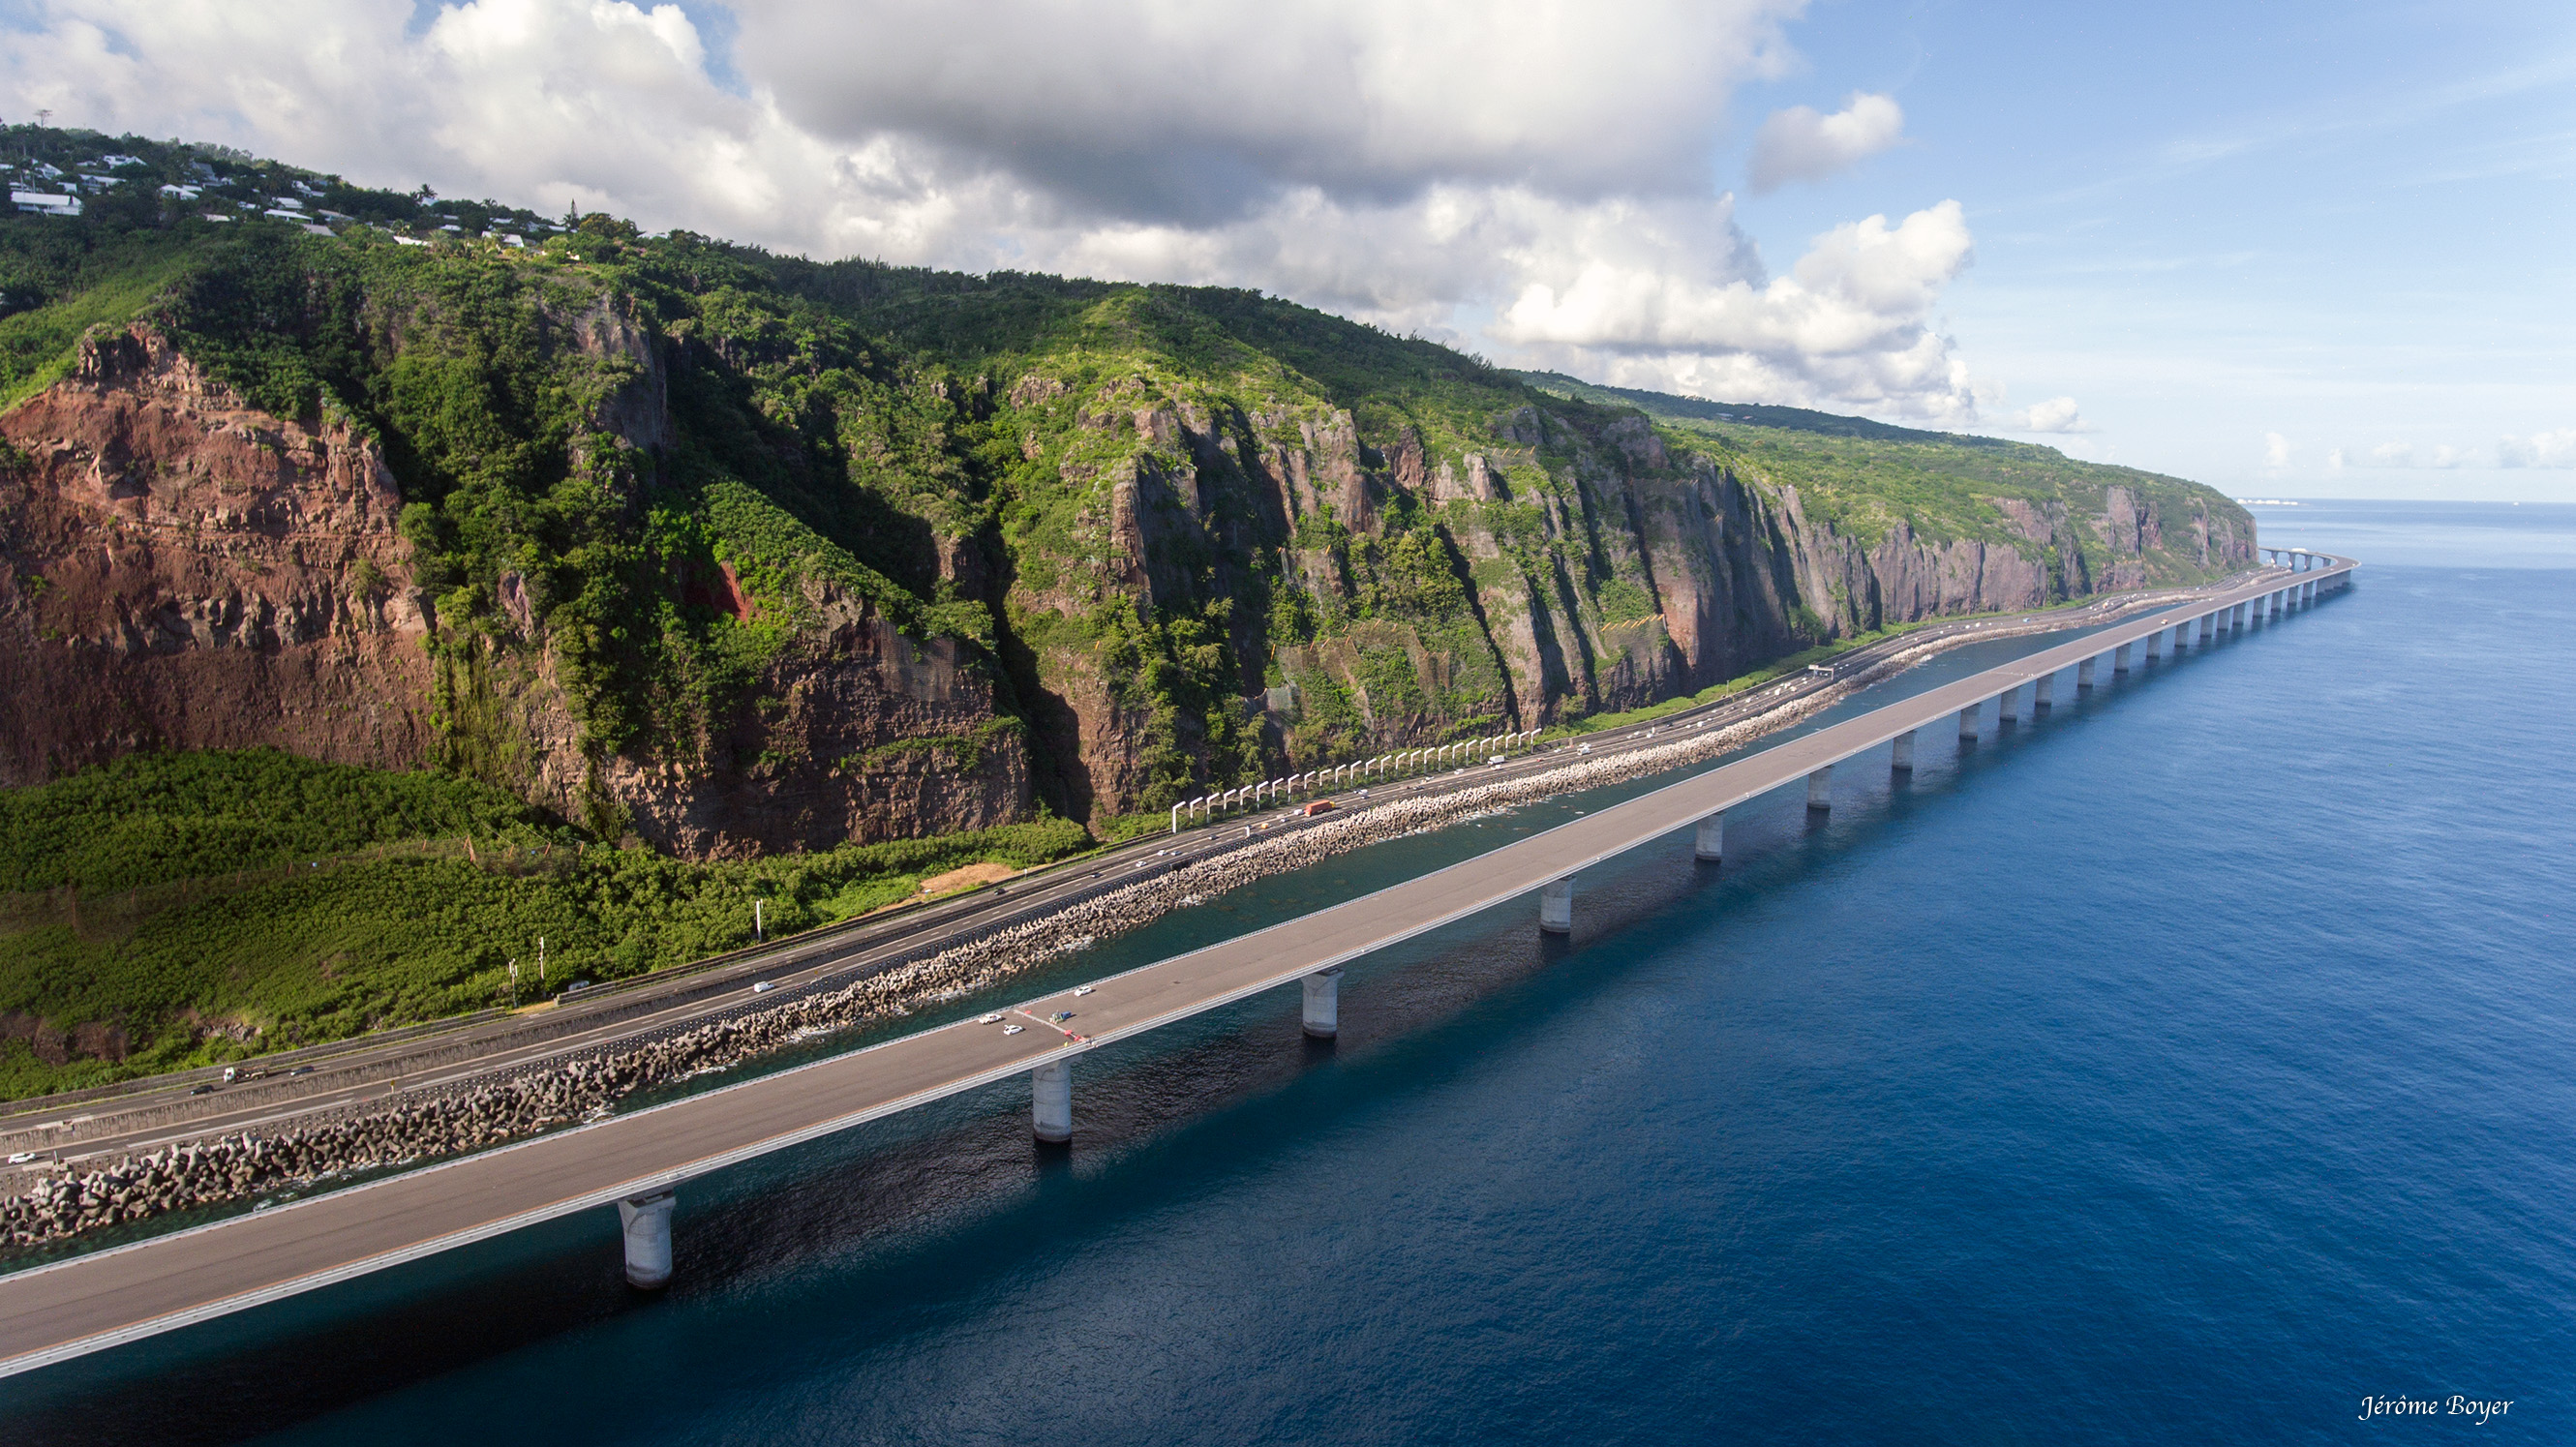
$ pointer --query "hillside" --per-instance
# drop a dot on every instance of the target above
(1871, 478)
(729, 556)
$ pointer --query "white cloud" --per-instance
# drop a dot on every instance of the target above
(2276, 450)
(2540, 449)
(1521, 178)
(1800, 145)
(2406, 454)
(1851, 322)
(2058, 414)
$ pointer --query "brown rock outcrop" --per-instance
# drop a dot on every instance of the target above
(179, 570)
(856, 733)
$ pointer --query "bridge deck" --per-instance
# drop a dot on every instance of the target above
(91, 1302)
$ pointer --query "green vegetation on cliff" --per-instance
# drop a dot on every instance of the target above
(1137, 507)
(1869, 476)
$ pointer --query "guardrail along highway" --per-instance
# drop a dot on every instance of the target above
(87, 1303)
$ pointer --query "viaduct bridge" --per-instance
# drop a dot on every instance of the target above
(635, 1162)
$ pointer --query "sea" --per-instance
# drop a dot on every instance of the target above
(2196, 1063)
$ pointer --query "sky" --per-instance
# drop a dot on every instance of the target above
(2298, 249)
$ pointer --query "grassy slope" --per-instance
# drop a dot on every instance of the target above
(201, 898)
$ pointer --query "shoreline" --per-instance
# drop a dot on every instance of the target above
(359, 1141)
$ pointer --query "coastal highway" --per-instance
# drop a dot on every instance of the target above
(137, 1116)
(86, 1303)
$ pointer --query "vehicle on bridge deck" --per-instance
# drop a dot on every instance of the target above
(1321, 806)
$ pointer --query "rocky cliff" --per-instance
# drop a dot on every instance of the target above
(1320, 589)
(180, 570)
(740, 554)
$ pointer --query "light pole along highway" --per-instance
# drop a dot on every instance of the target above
(636, 1161)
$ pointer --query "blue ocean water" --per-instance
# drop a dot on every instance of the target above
(2188, 1066)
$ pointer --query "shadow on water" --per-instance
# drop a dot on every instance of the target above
(954, 1186)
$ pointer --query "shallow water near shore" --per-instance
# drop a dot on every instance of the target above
(2189, 1065)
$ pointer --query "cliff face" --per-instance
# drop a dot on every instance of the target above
(1375, 594)
(745, 555)
(853, 733)
(180, 571)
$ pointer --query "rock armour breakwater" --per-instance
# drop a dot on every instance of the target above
(444, 1120)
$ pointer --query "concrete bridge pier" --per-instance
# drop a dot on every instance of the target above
(2084, 670)
(647, 1223)
(1968, 721)
(1556, 906)
(2155, 644)
(2208, 627)
(1051, 1108)
(1708, 843)
(2043, 693)
(1903, 759)
(1820, 788)
(2008, 705)
(1323, 1003)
